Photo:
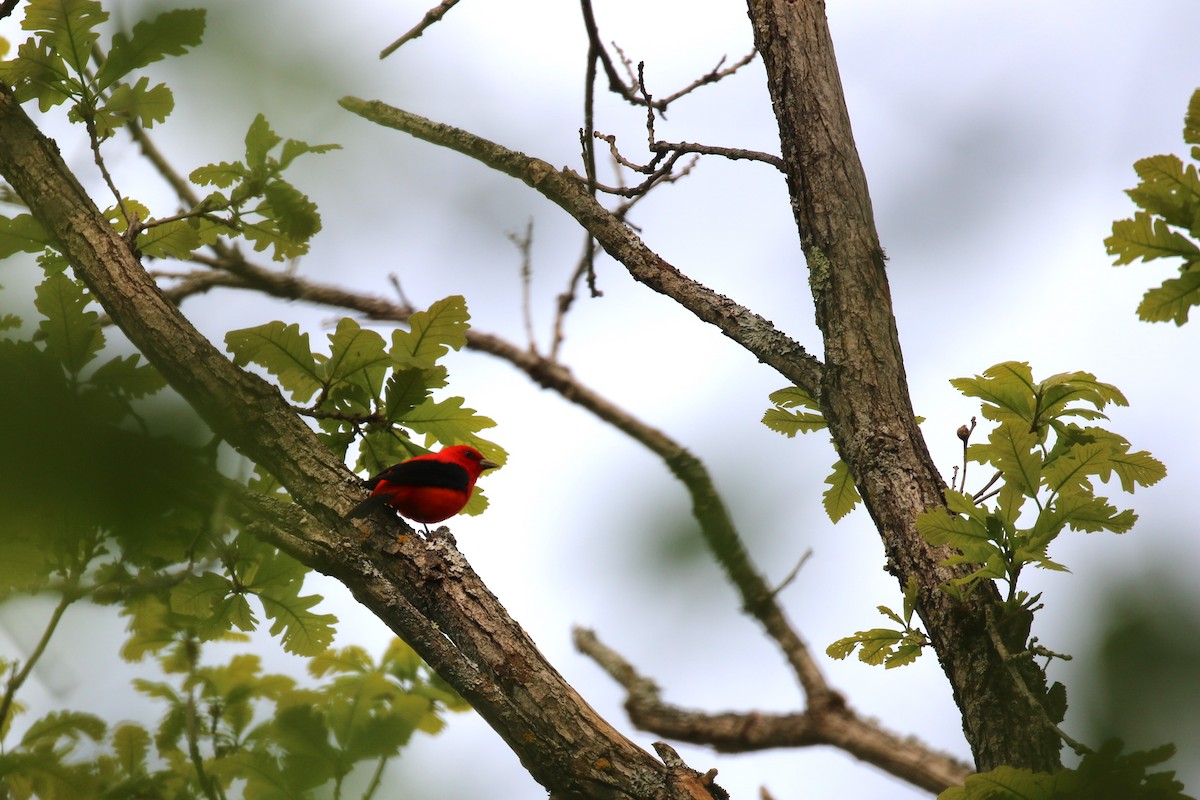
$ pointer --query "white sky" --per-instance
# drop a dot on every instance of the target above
(997, 139)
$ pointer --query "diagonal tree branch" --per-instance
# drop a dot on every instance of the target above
(424, 591)
(567, 190)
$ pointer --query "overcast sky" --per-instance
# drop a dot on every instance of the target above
(997, 138)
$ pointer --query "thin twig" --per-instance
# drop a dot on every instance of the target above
(524, 244)
(732, 153)
(433, 15)
(20, 676)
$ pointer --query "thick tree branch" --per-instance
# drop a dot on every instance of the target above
(570, 192)
(424, 591)
(831, 723)
(865, 395)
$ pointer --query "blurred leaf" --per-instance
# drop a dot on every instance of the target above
(22, 234)
(68, 26)
(72, 333)
(431, 333)
(168, 34)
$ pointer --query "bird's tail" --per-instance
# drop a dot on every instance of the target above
(366, 507)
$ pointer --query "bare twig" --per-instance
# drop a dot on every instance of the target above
(629, 90)
(433, 15)
(524, 244)
(733, 153)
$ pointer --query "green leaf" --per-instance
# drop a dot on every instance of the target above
(260, 140)
(22, 234)
(196, 595)
(222, 175)
(125, 375)
(355, 355)
(1171, 301)
(1012, 449)
(67, 26)
(968, 535)
(39, 72)
(138, 102)
(72, 333)
(783, 419)
(293, 149)
(408, 388)
(63, 724)
(277, 584)
(446, 421)
(431, 333)
(175, 239)
(1168, 190)
(841, 497)
(1007, 390)
(283, 351)
(1147, 237)
(169, 34)
(295, 215)
(1191, 122)
(266, 232)
(131, 745)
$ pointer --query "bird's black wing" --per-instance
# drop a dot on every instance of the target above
(434, 474)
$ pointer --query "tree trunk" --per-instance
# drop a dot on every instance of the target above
(864, 394)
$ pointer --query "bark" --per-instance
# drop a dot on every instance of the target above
(424, 591)
(865, 395)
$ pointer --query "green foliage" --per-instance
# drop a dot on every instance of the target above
(795, 412)
(232, 723)
(1042, 459)
(148, 531)
(887, 646)
(63, 63)
(1167, 226)
(56, 64)
(380, 396)
(260, 205)
(1103, 775)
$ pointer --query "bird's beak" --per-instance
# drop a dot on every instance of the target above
(487, 463)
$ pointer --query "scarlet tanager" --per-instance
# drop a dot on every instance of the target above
(428, 488)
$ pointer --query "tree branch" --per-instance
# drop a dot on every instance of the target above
(831, 723)
(865, 397)
(570, 192)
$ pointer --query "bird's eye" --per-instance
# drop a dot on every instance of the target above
(474, 455)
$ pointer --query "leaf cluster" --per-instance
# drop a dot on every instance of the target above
(1167, 226)
(62, 63)
(891, 647)
(795, 411)
(1105, 774)
(232, 723)
(148, 529)
(367, 391)
(1043, 458)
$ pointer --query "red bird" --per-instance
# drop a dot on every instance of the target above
(428, 488)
